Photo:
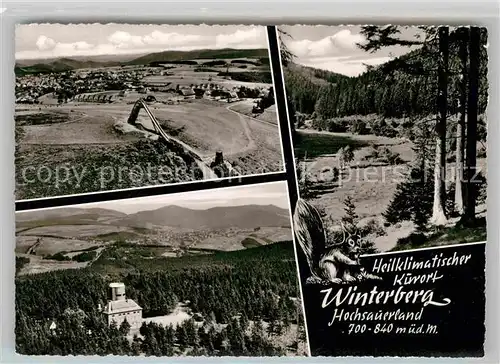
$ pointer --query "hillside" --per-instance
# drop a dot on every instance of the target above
(227, 53)
(316, 75)
(401, 87)
(72, 238)
(60, 65)
(24, 67)
(242, 217)
(63, 216)
(111, 58)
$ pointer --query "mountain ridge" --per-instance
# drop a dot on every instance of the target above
(62, 64)
(220, 217)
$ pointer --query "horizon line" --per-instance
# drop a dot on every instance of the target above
(142, 53)
(167, 205)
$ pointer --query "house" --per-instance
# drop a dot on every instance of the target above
(119, 308)
(187, 92)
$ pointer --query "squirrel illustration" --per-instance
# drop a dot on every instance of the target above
(338, 263)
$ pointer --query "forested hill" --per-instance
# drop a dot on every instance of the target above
(258, 285)
(385, 90)
(53, 65)
(226, 53)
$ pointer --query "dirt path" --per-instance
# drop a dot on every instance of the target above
(249, 117)
(248, 133)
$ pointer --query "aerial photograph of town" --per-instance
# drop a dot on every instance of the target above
(196, 273)
(113, 106)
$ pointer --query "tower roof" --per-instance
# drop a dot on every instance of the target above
(116, 285)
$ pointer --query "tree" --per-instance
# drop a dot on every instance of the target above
(472, 108)
(125, 327)
(350, 218)
(459, 152)
(379, 37)
(258, 336)
(244, 322)
(346, 156)
(438, 208)
(271, 328)
(286, 58)
(286, 55)
(182, 336)
(413, 198)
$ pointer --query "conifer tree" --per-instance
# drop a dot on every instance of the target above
(125, 327)
(350, 218)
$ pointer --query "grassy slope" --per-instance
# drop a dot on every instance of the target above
(319, 144)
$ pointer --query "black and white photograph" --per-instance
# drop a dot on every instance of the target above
(388, 123)
(389, 133)
(201, 273)
(101, 107)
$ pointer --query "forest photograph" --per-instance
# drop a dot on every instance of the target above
(200, 273)
(389, 131)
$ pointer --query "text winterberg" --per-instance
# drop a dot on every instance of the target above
(375, 297)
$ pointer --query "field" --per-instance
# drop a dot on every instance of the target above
(370, 182)
(85, 145)
(51, 239)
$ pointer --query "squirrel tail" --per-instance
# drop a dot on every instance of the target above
(309, 232)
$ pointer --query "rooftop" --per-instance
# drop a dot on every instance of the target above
(116, 284)
(126, 305)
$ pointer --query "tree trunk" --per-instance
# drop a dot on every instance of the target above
(472, 108)
(438, 210)
(459, 156)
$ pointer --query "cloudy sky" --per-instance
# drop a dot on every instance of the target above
(274, 193)
(334, 48)
(35, 41)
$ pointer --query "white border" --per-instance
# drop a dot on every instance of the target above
(278, 120)
(296, 187)
(485, 12)
(152, 187)
(287, 111)
(299, 280)
(95, 204)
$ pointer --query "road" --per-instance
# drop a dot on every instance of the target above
(249, 117)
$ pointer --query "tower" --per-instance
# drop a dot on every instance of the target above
(117, 291)
(120, 308)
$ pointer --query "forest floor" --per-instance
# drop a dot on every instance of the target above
(370, 181)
